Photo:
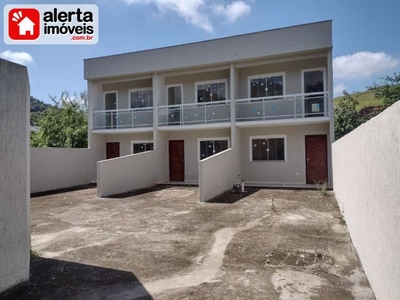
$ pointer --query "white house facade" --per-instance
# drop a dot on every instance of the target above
(258, 105)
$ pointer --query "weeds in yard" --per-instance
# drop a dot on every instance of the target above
(342, 221)
(273, 208)
(322, 187)
(35, 253)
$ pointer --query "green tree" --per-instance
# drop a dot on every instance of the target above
(346, 116)
(389, 91)
(64, 124)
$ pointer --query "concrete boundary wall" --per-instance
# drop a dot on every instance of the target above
(14, 175)
(57, 168)
(366, 178)
(217, 174)
(126, 173)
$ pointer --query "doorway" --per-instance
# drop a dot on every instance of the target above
(177, 160)
(112, 150)
(316, 158)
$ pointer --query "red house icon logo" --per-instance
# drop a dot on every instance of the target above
(24, 24)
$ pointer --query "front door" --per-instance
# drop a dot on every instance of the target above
(176, 161)
(316, 158)
(112, 150)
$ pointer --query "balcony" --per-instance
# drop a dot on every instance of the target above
(122, 118)
(194, 113)
(283, 107)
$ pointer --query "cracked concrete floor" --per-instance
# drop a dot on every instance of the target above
(166, 245)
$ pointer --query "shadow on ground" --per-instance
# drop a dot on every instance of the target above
(57, 279)
(139, 192)
(233, 196)
(64, 190)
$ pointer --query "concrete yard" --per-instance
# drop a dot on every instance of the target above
(164, 244)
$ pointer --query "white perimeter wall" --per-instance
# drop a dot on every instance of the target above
(14, 175)
(126, 173)
(366, 168)
(57, 168)
(217, 174)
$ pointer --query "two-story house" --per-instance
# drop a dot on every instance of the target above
(267, 94)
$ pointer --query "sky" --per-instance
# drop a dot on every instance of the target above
(366, 35)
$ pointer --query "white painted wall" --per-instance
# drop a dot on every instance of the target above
(217, 174)
(127, 173)
(291, 171)
(57, 168)
(192, 155)
(366, 165)
(295, 39)
(14, 175)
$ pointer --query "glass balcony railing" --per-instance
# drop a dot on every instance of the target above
(194, 113)
(283, 107)
(122, 118)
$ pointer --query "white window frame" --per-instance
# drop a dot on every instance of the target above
(166, 92)
(283, 74)
(211, 139)
(211, 82)
(141, 142)
(323, 69)
(279, 136)
(104, 99)
(138, 90)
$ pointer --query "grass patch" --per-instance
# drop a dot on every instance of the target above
(365, 99)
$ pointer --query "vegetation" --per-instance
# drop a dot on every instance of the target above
(389, 90)
(63, 124)
(351, 110)
(322, 187)
(37, 109)
(365, 99)
(346, 115)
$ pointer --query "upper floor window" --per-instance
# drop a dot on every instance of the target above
(211, 91)
(266, 85)
(174, 94)
(141, 98)
(313, 81)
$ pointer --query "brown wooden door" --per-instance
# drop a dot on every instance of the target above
(112, 150)
(176, 160)
(316, 158)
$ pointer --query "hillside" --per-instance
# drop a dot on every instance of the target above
(37, 108)
(365, 99)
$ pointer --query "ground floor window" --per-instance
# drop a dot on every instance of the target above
(141, 146)
(268, 148)
(209, 147)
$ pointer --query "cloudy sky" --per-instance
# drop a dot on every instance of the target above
(365, 35)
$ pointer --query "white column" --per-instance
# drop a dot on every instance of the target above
(232, 92)
(329, 75)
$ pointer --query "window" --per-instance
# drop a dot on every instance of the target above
(174, 94)
(266, 86)
(313, 82)
(141, 98)
(211, 91)
(268, 148)
(141, 146)
(210, 147)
